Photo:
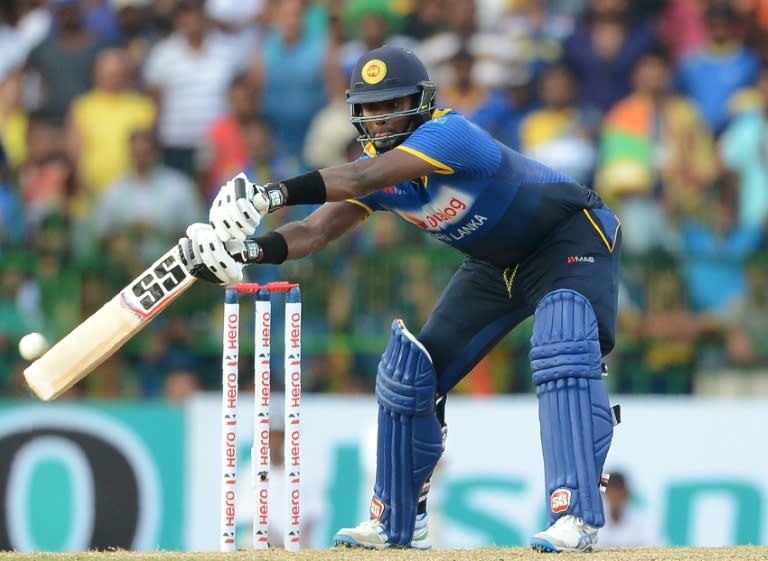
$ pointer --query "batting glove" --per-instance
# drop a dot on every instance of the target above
(237, 210)
(208, 258)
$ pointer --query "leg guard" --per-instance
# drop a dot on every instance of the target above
(574, 413)
(410, 439)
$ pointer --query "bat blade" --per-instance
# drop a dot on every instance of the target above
(103, 333)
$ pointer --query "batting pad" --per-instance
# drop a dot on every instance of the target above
(410, 439)
(574, 412)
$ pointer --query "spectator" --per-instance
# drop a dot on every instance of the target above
(536, 29)
(506, 107)
(13, 120)
(682, 27)
(163, 12)
(625, 524)
(188, 74)
(151, 205)
(264, 159)
(603, 50)
(716, 247)
(329, 133)
(747, 333)
(11, 214)
(370, 24)
(99, 18)
(101, 122)
(240, 20)
(463, 32)
(563, 132)
(462, 93)
(34, 23)
(136, 34)
(166, 367)
(424, 20)
(659, 356)
(227, 151)
(181, 383)
(724, 65)
(657, 157)
(10, 45)
(15, 319)
(64, 61)
(295, 68)
(743, 151)
(47, 181)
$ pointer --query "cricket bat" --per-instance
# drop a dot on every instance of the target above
(103, 333)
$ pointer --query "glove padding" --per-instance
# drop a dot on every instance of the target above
(208, 258)
(237, 210)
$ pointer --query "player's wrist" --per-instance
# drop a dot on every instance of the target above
(272, 248)
(305, 189)
(276, 196)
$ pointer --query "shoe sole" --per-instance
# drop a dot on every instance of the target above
(543, 546)
(349, 543)
(355, 545)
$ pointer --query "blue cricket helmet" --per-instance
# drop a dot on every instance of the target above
(389, 73)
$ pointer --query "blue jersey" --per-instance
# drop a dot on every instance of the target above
(485, 199)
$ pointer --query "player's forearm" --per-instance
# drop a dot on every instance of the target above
(302, 239)
(351, 180)
(305, 237)
(347, 181)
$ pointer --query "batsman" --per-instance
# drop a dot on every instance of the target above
(534, 241)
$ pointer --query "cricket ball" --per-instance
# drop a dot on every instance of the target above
(32, 346)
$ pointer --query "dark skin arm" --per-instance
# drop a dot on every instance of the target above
(348, 181)
(358, 178)
(327, 223)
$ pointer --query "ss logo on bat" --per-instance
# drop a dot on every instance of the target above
(158, 282)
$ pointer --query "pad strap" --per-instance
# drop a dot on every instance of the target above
(410, 439)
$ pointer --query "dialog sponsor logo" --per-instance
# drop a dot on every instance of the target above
(448, 207)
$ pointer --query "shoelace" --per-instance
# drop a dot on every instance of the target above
(374, 525)
(580, 525)
(563, 520)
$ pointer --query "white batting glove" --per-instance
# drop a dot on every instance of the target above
(208, 258)
(237, 209)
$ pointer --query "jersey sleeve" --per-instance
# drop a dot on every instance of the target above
(454, 145)
(370, 202)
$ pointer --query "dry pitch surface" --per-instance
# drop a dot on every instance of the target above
(487, 554)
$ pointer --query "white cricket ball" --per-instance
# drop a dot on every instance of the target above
(32, 346)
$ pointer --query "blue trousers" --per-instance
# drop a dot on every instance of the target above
(483, 302)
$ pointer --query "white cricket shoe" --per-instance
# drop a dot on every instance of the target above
(370, 535)
(568, 533)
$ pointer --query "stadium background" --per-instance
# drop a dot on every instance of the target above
(120, 118)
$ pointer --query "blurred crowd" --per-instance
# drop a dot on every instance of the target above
(119, 119)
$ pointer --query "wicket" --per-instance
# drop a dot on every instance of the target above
(260, 455)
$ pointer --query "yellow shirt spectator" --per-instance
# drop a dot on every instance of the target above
(100, 124)
(104, 121)
(13, 134)
(13, 120)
